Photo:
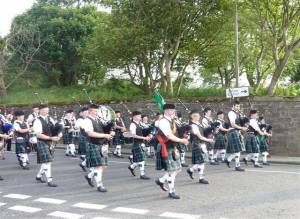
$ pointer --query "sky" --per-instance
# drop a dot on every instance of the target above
(9, 9)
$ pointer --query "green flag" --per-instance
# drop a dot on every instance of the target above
(159, 100)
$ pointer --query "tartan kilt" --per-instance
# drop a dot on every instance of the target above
(235, 144)
(93, 156)
(220, 143)
(22, 148)
(171, 163)
(43, 152)
(159, 164)
(263, 144)
(198, 156)
(251, 143)
(181, 148)
(118, 138)
(68, 137)
(138, 152)
(82, 145)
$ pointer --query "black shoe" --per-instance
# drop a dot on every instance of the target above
(25, 167)
(67, 155)
(40, 179)
(190, 173)
(245, 161)
(131, 170)
(82, 158)
(161, 185)
(239, 169)
(144, 177)
(130, 160)
(83, 168)
(227, 163)
(258, 166)
(1, 178)
(184, 165)
(89, 180)
(73, 155)
(118, 156)
(101, 189)
(51, 184)
(214, 163)
(203, 181)
(266, 164)
(172, 195)
(253, 162)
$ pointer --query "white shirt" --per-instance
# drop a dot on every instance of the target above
(164, 126)
(132, 128)
(79, 122)
(254, 124)
(17, 125)
(195, 129)
(205, 122)
(87, 124)
(232, 117)
(32, 116)
(37, 125)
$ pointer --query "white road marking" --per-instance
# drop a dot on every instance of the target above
(2, 204)
(127, 163)
(179, 215)
(25, 209)
(105, 218)
(89, 206)
(274, 171)
(130, 210)
(50, 201)
(17, 196)
(66, 215)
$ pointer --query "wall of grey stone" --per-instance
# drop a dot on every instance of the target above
(282, 113)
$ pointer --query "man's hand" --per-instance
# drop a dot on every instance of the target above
(55, 138)
(109, 137)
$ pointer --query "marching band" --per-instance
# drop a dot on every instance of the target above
(166, 138)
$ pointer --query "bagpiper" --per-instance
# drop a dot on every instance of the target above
(220, 136)
(199, 149)
(263, 140)
(169, 158)
(96, 147)
(118, 139)
(68, 140)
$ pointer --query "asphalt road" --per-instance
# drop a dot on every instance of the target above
(271, 192)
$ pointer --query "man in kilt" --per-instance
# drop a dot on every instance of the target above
(199, 150)
(138, 152)
(235, 146)
(181, 147)
(263, 140)
(220, 137)
(30, 119)
(22, 139)
(42, 126)
(169, 158)
(252, 146)
(68, 139)
(96, 147)
(79, 125)
(207, 122)
(3, 136)
(118, 139)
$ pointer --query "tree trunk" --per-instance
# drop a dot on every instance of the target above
(169, 88)
(3, 93)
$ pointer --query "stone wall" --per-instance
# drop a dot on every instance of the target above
(282, 113)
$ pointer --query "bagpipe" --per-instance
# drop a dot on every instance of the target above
(212, 129)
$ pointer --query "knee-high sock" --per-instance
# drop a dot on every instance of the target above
(265, 156)
(230, 157)
(195, 168)
(211, 155)
(118, 150)
(223, 153)
(148, 150)
(134, 165)
(98, 177)
(171, 182)
(255, 157)
(92, 172)
(182, 157)
(72, 149)
(23, 159)
(142, 167)
(41, 171)
(237, 159)
(48, 172)
(249, 156)
(201, 171)
(83, 162)
(26, 158)
(164, 178)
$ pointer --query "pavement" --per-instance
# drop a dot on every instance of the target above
(271, 192)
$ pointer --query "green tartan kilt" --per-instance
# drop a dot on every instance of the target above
(220, 143)
(82, 145)
(235, 144)
(68, 137)
(43, 152)
(22, 148)
(171, 163)
(263, 145)
(251, 143)
(198, 156)
(94, 157)
(138, 152)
